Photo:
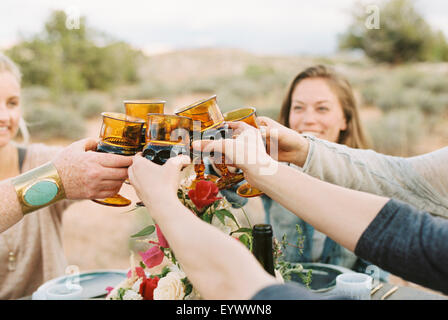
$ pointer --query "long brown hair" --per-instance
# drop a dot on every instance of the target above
(354, 135)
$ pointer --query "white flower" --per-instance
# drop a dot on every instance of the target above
(132, 295)
(187, 175)
(136, 285)
(228, 226)
(170, 287)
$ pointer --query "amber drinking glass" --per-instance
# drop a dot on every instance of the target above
(249, 116)
(140, 109)
(166, 136)
(120, 134)
(211, 120)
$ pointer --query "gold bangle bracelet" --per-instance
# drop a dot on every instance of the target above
(38, 188)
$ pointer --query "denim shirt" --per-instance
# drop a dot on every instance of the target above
(284, 223)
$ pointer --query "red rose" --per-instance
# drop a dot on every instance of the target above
(147, 288)
(204, 194)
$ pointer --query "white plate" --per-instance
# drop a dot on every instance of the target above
(94, 283)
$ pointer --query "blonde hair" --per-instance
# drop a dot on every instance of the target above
(354, 135)
(7, 65)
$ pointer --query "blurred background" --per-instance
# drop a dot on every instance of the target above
(79, 58)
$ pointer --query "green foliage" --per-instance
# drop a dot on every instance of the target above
(145, 232)
(89, 104)
(45, 122)
(300, 239)
(397, 132)
(403, 35)
(73, 60)
(188, 287)
(121, 292)
(407, 88)
(258, 71)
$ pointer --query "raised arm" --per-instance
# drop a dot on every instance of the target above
(210, 258)
(75, 173)
(349, 217)
(420, 181)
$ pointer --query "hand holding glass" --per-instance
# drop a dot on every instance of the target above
(120, 134)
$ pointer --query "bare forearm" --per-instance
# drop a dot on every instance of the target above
(10, 209)
(235, 271)
(340, 213)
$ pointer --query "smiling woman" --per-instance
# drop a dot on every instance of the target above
(9, 105)
(36, 182)
(321, 103)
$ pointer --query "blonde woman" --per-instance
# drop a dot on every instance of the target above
(35, 180)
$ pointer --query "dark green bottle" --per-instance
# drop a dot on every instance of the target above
(262, 247)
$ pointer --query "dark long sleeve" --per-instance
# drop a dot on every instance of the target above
(408, 243)
(292, 291)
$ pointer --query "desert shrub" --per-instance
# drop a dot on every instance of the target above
(257, 71)
(435, 83)
(407, 89)
(272, 113)
(397, 132)
(403, 35)
(151, 90)
(91, 104)
(46, 122)
(67, 60)
(35, 94)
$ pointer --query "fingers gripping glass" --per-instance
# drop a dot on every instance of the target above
(208, 114)
(120, 134)
(166, 136)
(247, 115)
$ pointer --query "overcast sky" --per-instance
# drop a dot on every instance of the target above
(261, 26)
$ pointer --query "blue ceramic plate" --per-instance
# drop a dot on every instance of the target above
(323, 275)
(94, 283)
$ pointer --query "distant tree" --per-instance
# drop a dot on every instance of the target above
(403, 35)
(77, 59)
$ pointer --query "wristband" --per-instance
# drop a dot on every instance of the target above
(38, 188)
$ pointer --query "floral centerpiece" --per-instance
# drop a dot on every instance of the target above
(159, 276)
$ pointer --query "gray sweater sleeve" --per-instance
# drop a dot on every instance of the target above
(421, 181)
(408, 243)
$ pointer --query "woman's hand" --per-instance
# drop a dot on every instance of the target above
(155, 183)
(246, 151)
(86, 174)
(284, 144)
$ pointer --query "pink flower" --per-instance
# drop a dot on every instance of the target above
(162, 241)
(153, 257)
(139, 271)
(109, 289)
(203, 194)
